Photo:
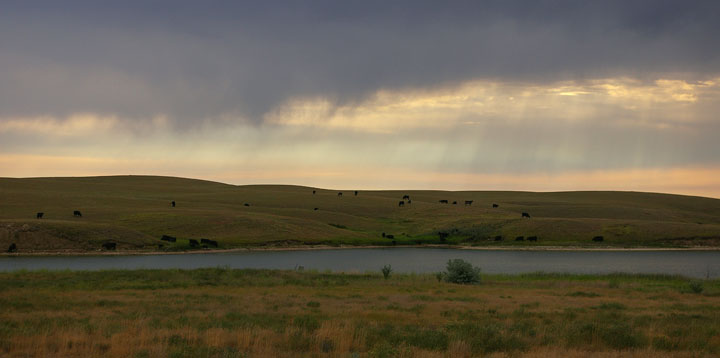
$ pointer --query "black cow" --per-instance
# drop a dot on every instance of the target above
(12, 248)
(39, 215)
(598, 238)
(496, 205)
(532, 238)
(313, 192)
(246, 204)
(526, 215)
(212, 243)
(520, 238)
(340, 194)
(316, 209)
(77, 213)
(168, 238)
(454, 202)
(355, 192)
(172, 203)
(109, 246)
(443, 201)
(468, 202)
(194, 243)
(498, 238)
(406, 197)
(401, 203)
(204, 241)
(389, 236)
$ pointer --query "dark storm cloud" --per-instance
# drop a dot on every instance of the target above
(199, 60)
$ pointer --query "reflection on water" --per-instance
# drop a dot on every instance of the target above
(688, 263)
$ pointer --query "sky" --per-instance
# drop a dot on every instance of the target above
(458, 95)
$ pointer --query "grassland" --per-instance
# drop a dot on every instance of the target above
(135, 211)
(259, 313)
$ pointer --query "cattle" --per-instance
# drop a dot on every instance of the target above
(468, 202)
(246, 204)
(340, 194)
(520, 238)
(598, 238)
(12, 248)
(532, 238)
(355, 192)
(454, 202)
(401, 203)
(168, 238)
(498, 238)
(209, 242)
(39, 215)
(172, 203)
(526, 215)
(443, 201)
(316, 209)
(313, 192)
(193, 243)
(496, 205)
(406, 197)
(110, 246)
(77, 213)
(389, 236)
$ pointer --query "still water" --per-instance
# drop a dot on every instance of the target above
(699, 264)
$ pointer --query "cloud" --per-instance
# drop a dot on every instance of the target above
(196, 62)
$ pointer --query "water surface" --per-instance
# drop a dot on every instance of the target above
(420, 260)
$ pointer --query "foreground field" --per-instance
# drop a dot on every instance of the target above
(257, 313)
(134, 212)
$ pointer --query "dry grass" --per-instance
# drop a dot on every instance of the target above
(286, 314)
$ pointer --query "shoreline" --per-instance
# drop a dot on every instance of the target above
(350, 247)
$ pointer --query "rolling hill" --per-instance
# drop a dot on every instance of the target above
(135, 211)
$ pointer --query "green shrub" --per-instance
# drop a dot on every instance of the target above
(462, 272)
(386, 270)
(696, 286)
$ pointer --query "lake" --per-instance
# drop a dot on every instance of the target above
(698, 264)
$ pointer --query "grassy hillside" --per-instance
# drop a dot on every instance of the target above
(135, 211)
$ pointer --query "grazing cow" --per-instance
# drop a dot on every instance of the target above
(110, 246)
(77, 213)
(598, 238)
(496, 205)
(172, 203)
(532, 238)
(468, 202)
(204, 241)
(168, 238)
(443, 201)
(498, 238)
(520, 238)
(454, 202)
(313, 192)
(316, 209)
(246, 204)
(389, 236)
(12, 248)
(194, 243)
(212, 243)
(406, 197)
(340, 194)
(401, 203)
(526, 215)
(355, 192)
(39, 215)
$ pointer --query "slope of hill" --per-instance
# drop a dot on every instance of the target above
(135, 211)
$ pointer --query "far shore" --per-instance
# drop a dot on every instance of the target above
(348, 247)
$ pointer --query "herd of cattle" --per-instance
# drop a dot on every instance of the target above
(206, 243)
